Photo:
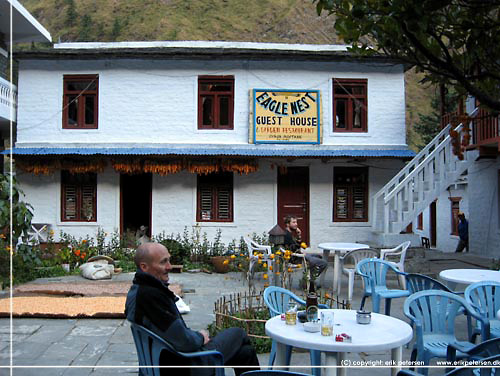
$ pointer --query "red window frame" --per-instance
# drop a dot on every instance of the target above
(215, 191)
(347, 182)
(340, 94)
(81, 98)
(420, 221)
(216, 97)
(80, 185)
(455, 209)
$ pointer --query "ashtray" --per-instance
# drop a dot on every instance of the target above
(311, 327)
(302, 316)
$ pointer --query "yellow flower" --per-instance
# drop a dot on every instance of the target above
(239, 265)
(270, 267)
(260, 255)
(303, 245)
(266, 285)
(259, 261)
(264, 265)
(327, 295)
(8, 248)
(289, 270)
(287, 257)
(255, 253)
(278, 253)
(51, 232)
(299, 266)
(264, 276)
(226, 262)
(241, 255)
(272, 256)
(278, 273)
(84, 241)
(233, 257)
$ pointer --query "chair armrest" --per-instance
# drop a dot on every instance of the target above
(214, 353)
(451, 351)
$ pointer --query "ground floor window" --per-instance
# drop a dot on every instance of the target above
(455, 208)
(420, 220)
(215, 197)
(79, 197)
(350, 194)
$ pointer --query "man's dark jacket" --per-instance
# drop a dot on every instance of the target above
(151, 304)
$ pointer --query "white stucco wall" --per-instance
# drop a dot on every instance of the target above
(484, 210)
(174, 202)
(155, 101)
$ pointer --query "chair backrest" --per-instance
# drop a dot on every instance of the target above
(268, 372)
(359, 254)
(253, 246)
(484, 298)
(277, 298)
(419, 282)
(150, 346)
(374, 271)
(399, 250)
(483, 371)
(435, 311)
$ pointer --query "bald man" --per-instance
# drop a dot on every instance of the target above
(150, 303)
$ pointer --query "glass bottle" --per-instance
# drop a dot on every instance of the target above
(312, 303)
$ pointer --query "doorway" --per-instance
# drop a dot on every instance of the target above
(433, 224)
(293, 197)
(135, 203)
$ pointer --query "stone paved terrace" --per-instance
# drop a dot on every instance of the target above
(108, 342)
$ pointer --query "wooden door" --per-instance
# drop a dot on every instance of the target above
(433, 224)
(293, 197)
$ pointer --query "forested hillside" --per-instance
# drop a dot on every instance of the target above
(282, 21)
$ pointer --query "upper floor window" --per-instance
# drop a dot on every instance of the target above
(349, 105)
(350, 194)
(215, 102)
(79, 197)
(215, 197)
(80, 101)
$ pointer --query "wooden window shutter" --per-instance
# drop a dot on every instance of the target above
(70, 202)
(87, 208)
(206, 203)
(215, 197)
(224, 203)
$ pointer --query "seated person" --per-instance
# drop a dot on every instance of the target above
(316, 262)
(151, 304)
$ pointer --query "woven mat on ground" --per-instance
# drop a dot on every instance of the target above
(41, 305)
(83, 288)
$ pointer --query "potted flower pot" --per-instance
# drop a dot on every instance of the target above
(219, 265)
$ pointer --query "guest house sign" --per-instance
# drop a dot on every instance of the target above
(286, 116)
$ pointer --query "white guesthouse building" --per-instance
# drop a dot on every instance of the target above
(224, 135)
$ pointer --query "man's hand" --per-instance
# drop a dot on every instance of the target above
(205, 335)
(298, 232)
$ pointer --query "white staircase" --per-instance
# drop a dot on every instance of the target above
(417, 185)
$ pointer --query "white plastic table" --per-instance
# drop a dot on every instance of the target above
(383, 333)
(337, 248)
(468, 276)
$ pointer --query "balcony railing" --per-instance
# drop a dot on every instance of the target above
(485, 129)
(8, 100)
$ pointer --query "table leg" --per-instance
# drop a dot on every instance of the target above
(326, 254)
(397, 357)
(334, 359)
(280, 359)
(336, 271)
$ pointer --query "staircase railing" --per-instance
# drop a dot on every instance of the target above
(418, 183)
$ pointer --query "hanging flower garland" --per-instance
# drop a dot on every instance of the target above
(240, 167)
(163, 168)
(50, 166)
(133, 166)
(460, 140)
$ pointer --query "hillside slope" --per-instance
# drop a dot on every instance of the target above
(282, 21)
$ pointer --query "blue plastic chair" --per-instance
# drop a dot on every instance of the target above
(273, 373)
(485, 349)
(484, 297)
(374, 272)
(150, 346)
(465, 371)
(419, 282)
(433, 312)
(277, 299)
